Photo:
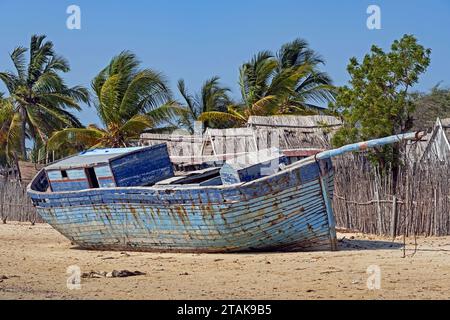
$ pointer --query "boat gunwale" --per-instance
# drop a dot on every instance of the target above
(323, 156)
(287, 169)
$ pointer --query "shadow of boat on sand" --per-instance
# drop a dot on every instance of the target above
(360, 244)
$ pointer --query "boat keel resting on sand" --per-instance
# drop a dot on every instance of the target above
(131, 199)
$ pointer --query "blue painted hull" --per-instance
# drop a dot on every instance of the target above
(283, 212)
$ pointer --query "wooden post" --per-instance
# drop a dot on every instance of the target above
(377, 198)
(2, 200)
(394, 217)
(407, 208)
(347, 212)
(435, 213)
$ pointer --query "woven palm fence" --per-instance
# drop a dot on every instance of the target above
(364, 199)
(15, 205)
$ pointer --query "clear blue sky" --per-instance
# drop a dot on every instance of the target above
(197, 39)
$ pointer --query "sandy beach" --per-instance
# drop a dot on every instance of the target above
(34, 262)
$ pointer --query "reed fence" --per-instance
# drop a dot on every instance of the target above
(15, 205)
(364, 199)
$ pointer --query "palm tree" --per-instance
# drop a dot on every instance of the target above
(254, 82)
(8, 131)
(129, 100)
(314, 87)
(212, 97)
(286, 83)
(38, 96)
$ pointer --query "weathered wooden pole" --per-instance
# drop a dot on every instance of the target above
(2, 200)
(379, 217)
(435, 213)
(394, 217)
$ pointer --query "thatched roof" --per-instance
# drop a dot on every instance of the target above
(293, 121)
(295, 132)
(177, 145)
(28, 170)
(229, 141)
(309, 134)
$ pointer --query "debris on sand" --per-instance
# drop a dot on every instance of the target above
(112, 274)
(125, 273)
(93, 274)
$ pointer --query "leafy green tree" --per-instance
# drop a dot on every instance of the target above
(128, 100)
(289, 82)
(377, 102)
(212, 98)
(39, 100)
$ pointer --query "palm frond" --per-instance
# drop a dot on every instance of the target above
(296, 53)
(317, 87)
(40, 53)
(14, 135)
(109, 100)
(167, 111)
(57, 63)
(165, 129)
(186, 96)
(146, 91)
(125, 63)
(59, 100)
(214, 97)
(221, 117)
(86, 136)
(136, 125)
(255, 76)
(38, 127)
(260, 107)
(19, 61)
(10, 80)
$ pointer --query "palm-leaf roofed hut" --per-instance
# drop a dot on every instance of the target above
(229, 141)
(213, 145)
(182, 147)
(296, 132)
(295, 135)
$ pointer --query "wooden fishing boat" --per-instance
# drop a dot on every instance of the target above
(131, 199)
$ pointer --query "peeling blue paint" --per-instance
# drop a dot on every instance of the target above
(285, 212)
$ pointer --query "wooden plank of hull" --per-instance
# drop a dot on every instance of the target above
(283, 212)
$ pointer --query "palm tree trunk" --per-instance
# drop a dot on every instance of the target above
(23, 149)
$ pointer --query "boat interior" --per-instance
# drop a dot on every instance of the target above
(57, 177)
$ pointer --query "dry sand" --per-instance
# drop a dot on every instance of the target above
(35, 259)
